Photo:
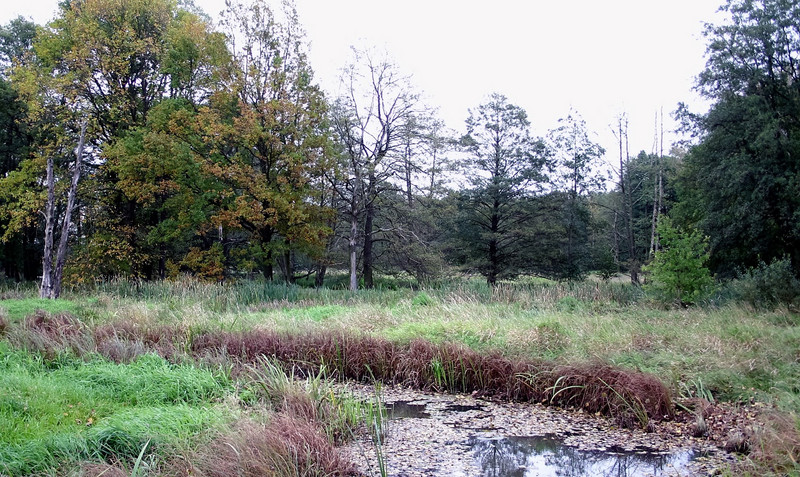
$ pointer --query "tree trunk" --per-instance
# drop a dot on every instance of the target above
(627, 200)
(368, 243)
(265, 235)
(369, 220)
(494, 258)
(51, 277)
(491, 276)
(658, 191)
(288, 268)
(319, 279)
(46, 288)
(61, 258)
(616, 239)
(409, 190)
(353, 244)
(633, 260)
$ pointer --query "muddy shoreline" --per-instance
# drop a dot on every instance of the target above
(444, 434)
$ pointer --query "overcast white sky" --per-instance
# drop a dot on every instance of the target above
(600, 57)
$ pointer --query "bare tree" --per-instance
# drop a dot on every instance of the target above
(51, 276)
(371, 121)
(626, 189)
(658, 183)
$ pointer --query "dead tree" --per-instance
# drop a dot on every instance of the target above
(52, 275)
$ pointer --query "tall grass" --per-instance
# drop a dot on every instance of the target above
(237, 295)
(52, 412)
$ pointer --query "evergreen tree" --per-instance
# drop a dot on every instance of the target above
(506, 166)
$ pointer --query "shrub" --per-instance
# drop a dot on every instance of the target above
(568, 304)
(678, 270)
(284, 446)
(768, 285)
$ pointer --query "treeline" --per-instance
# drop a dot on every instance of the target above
(138, 140)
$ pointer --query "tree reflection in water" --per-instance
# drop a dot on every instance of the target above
(546, 456)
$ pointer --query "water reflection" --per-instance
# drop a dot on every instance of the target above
(545, 456)
(406, 409)
(463, 407)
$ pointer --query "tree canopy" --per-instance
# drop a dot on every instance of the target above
(211, 150)
(740, 185)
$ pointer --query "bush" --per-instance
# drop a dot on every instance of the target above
(679, 271)
(767, 286)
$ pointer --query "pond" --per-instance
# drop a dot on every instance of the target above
(428, 434)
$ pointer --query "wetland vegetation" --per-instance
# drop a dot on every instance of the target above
(170, 370)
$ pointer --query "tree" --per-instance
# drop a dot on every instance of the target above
(371, 121)
(18, 255)
(108, 58)
(679, 269)
(52, 273)
(281, 143)
(740, 184)
(504, 169)
(16, 39)
(576, 158)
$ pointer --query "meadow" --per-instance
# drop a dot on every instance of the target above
(184, 377)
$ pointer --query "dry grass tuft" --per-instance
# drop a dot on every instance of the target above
(123, 341)
(95, 469)
(51, 334)
(613, 391)
(776, 442)
(285, 446)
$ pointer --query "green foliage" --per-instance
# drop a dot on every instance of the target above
(604, 263)
(678, 270)
(740, 184)
(578, 157)
(767, 286)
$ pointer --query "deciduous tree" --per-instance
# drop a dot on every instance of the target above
(370, 120)
(740, 185)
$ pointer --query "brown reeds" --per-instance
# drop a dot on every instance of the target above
(286, 445)
(123, 341)
(454, 368)
(50, 334)
(632, 396)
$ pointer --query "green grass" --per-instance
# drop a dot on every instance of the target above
(17, 309)
(53, 412)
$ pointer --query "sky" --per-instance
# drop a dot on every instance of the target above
(599, 58)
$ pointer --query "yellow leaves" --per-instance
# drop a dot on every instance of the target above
(206, 264)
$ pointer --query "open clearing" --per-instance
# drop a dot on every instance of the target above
(154, 377)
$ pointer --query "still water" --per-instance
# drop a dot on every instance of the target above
(546, 456)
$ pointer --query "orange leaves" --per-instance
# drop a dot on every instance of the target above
(207, 264)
